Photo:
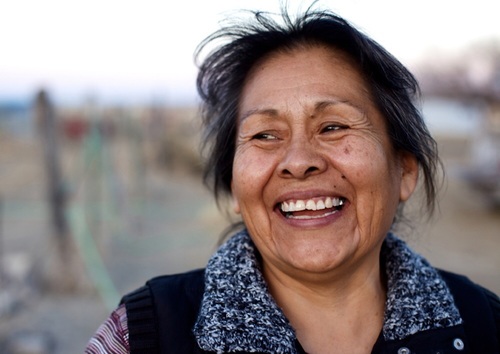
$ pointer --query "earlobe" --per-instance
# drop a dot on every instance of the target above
(236, 205)
(409, 175)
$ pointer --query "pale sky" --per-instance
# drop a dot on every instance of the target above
(121, 49)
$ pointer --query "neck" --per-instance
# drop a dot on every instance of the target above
(342, 311)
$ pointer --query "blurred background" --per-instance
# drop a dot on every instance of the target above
(100, 184)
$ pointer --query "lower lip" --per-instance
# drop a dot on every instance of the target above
(315, 222)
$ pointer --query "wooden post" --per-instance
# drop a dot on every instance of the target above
(61, 271)
(47, 128)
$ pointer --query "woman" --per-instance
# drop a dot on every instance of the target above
(314, 134)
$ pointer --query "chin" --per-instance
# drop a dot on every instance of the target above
(316, 259)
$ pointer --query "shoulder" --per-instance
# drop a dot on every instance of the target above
(462, 287)
(165, 286)
(178, 295)
(188, 281)
(168, 305)
(494, 302)
(184, 289)
(112, 335)
(479, 307)
(494, 306)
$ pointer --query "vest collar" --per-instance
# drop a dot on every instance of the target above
(239, 314)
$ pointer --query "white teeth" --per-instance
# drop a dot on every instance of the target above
(311, 205)
(300, 205)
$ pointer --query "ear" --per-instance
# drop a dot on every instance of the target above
(409, 175)
(236, 204)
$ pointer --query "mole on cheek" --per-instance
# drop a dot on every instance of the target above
(347, 149)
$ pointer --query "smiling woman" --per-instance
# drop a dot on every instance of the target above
(316, 135)
(312, 131)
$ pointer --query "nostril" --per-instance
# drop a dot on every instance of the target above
(300, 173)
(302, 163)
(286, 172)
(311, 170)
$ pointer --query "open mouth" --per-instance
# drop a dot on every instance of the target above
(311, 208)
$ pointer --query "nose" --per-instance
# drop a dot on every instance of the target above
(301, 160)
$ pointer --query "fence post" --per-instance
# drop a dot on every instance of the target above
(48, 131)
(62, 271)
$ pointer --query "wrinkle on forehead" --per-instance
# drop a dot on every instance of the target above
(338, 58)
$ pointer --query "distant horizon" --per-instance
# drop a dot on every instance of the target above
(119, 98)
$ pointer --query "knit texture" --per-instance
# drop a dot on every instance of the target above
(239, 314)
(418, 299)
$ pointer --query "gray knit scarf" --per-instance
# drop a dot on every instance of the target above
(239, 314)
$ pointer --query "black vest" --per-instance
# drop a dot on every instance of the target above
(161, 316)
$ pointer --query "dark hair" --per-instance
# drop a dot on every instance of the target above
(223, 73)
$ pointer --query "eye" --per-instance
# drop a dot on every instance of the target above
(264, 136)
(331, 127)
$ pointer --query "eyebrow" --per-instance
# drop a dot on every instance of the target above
(322, 105)
(265, 112)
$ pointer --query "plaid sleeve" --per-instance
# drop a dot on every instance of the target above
(112, 335)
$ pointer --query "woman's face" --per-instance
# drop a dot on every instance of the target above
(315, 178)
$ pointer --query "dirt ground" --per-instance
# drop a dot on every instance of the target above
(171, 225)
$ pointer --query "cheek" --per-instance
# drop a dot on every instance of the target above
(358, 160)
(369, 167)
(251, 173)
(371, 172)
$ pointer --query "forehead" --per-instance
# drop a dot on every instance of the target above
(302, 73)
